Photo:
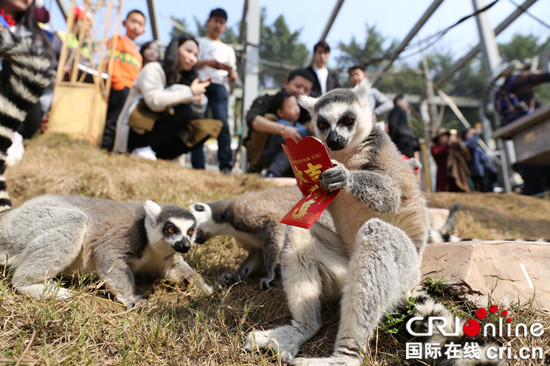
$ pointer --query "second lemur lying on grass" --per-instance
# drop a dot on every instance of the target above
(51, 234)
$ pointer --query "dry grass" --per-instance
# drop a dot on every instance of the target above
(179, 326)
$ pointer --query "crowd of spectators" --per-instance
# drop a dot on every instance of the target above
(193, 80)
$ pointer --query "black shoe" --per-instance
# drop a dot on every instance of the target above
(226, 170)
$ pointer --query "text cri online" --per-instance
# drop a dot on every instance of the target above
(505, 353)
(470, 350)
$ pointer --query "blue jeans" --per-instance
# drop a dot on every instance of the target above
(218, 104)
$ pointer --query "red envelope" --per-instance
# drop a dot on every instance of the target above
(308, 158)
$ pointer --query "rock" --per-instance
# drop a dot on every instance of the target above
(507, 272)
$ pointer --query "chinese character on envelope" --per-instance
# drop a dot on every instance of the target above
(308, 158)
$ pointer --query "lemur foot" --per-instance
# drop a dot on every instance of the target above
(285, 340)
(227, 279)
(38, 291)
(265, 283)
(330, 361)
(136, 301)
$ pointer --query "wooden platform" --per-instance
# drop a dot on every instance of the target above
(531, 136)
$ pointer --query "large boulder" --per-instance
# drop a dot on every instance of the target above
(505, 272)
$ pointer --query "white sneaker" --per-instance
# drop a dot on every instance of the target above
(16, 150)
(145, 152)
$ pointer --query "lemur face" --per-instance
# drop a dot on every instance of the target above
(342, 117)
(205, 224)
(179, 233)
(170, 226)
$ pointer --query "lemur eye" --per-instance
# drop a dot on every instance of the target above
(190, 232)
(170, 229)
(348, 121)
(322, 124)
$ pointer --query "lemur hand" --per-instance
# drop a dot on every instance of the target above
(335, 178)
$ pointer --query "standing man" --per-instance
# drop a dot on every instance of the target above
(218, 62)
(399, 130)
(324, 80)
(379, 103)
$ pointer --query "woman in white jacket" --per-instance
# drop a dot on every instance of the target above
(171, 86)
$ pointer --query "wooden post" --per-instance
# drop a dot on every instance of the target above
(79, 104)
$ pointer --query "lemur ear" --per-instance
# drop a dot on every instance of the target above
(197, 207)
(362, 90)
(152, 209)
(307, 102)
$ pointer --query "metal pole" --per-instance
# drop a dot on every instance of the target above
(491, 62)
(474, 51)
(63, 8)
(252, 63)
(432, 111)
(242, 27)
(153, 18)
(335, 12)
(419, 24)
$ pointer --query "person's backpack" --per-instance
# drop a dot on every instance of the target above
(508, 105)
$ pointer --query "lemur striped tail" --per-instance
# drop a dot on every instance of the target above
(26, 74)
(426, 307)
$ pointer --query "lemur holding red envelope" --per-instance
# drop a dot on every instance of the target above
(381, 220)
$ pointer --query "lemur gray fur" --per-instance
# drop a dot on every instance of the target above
(51, 234)
(373, 260)
(112, 240)
(253, 219)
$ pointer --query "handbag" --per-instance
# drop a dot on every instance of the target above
(199, 130)
(144, 118)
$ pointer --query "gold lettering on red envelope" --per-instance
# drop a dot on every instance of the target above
(308, 158)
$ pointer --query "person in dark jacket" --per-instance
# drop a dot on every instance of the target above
(480, 173)
(262, 122)
(399, 130)
(324, 80)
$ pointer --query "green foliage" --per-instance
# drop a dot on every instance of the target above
(521, 47)
(281, 50)
(357, 54)
(435, 287)
(394, 321)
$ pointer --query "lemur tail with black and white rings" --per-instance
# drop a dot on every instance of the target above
(25, 77)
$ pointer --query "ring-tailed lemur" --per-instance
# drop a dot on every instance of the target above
(253, 219)
(113, 240)
(24, 77)
(54, 233)
(381, 219)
